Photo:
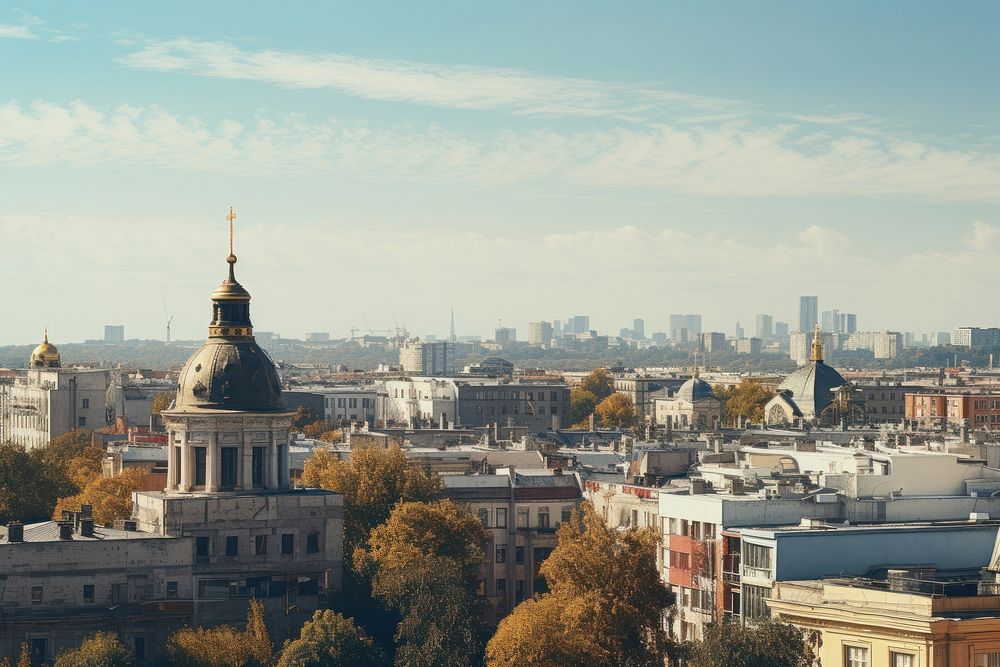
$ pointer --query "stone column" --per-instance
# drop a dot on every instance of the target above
(186, 465)
(213, 463)
(171, 463)
(246, 453)
(272, 462)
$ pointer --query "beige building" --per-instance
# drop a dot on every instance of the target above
(693, 407)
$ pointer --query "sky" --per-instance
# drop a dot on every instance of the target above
(390, 161)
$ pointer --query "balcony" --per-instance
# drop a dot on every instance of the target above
(756, 572)
(731, 568)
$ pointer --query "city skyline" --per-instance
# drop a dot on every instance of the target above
(466, 153)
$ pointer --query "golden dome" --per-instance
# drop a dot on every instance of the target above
(46, 355)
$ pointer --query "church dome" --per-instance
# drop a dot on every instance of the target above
(695, 390)
(230, 371)
(812, 386)
(45, 355)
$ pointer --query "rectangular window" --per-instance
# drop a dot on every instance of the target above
(501, 587)
(757, 557)
(85, 404)
(288, 543)
(257, 465)
(522, 518)
(230, 457)
(501, 517)
(991, 659)
(567, 514)
(754, 601)
(312, 543)
(201, 549)
(543, 518)
(232, 545)
(501, 553)
(856, 656)
(171, 589)
(353, 403)
(199, 466)
(484, 517)
(519, 555)
(260, 545)
(902, 659)
(88, 593)
(36, 595)
(82, 421)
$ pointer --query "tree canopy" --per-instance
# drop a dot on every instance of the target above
(616, 411)
(599, 382)
(110, 497)
(581, 404)
(604, 605)
(103, 649)
(224, 646)
(769, 643)
(331, 640)
(747, 399)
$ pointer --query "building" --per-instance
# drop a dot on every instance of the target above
(317, 337)
(685, 328)
(577, 324)
(493, 367)
(48, 400)
(899, 621)
(830, 320)
(540, 333)
(505, 336)
(848, 323)
(638, 328)
(419, 401)
(814, 393)
(114, 333)
(884, 402)
(971, 337)
(781, 329)
(539, 406)
(808, 313)
(800, 345)
(693, 406)
(750, 346)
(884, 344)
(350, 403)
(714, 341)
(428, 358)
(944, 409)
(642, 389)
(765, 326)
(521, 513)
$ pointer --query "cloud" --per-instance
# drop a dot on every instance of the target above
(730, 160)
(16, 32)
(449, 86)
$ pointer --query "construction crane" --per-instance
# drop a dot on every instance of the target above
(169, 318)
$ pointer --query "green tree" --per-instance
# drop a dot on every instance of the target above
(331, 640)
(599, 383)
(616, 411)
(28, 491)
(766, 644)
(604, 606)
(581, 404)
(425, 561)
(747, 399)
(224, 646)
(103, 649)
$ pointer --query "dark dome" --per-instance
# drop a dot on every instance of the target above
(695, 390)
(812, 385)
(229, 375)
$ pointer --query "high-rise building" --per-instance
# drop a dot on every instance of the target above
(781, 329)
(114, 333)
(505, 336)
(540, 333)
(848, 323)
(317, 337)
(830, 321)
(808, 313)
(638, 328)
(577, 324)
(765, 326)
(557, 328)
(714, 341)
(428, 358)
(739, 330)
(685, 328)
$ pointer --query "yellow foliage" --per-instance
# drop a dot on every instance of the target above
(616, 411)
(103, 649)
(224, 646)
(110, 497)
(599, 383)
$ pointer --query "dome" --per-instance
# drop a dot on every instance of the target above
(46, 355)
(695, 390)
(811, 387)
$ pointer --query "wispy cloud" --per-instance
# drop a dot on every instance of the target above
(728, 160)
(450, 86)
(16, 32)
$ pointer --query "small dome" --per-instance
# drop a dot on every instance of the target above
(46, 355)
(229, 375)
(695, 390)
(811, 386)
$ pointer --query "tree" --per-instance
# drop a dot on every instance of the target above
(161, 402)
(599, 383)
(604, 606)
(425, 561)
(24, 659)
(303, 416)
(71, 460)
(103, 649)
(581, 404)
(224, 646)
(28, 491)
(747, 399)
(110, 497)
(769, 643)
(372, 482)
(616, 411)
(331, 640)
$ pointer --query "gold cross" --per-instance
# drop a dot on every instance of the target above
(231, 217)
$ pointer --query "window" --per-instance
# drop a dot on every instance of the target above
(288, 543)
(754, 601)
(312, 543)
(856, 656)
(501, 517)
(988, 659)
(519, 555)
(501, 587)
(758, 557)
(484, 517)
(85, 404)
(36, 595)
(82, 421)
(201, 549)
(232, 545)
(171, 589)
(522, 518)
(199, 466)
(501, 553)
(902, 659)
(88, 592)
(257, 466)
(567, 514)
(230, 456)
(543, 518)
(260, 545)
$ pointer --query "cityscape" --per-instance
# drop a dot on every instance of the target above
(530, 335)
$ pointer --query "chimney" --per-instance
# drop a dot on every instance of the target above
(15, 532)
(65, 530)
(444, 421)
(557, 471)
(86, 527)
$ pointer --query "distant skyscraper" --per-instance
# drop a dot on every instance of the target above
(451, 335)
(557, 329)
(848, 323)
(684, 328)
(830, 321)
(505, 336)
(639, 328)
(765, 326)
(739, 330)
(114, 333)
(808, 313)
(540, 333)
(781, 329)
(579, 324)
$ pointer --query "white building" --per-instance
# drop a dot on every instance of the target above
(420, 399)
(356, 403)
(428, 358)
(885, 344)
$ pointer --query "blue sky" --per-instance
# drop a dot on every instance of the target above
(516, 160)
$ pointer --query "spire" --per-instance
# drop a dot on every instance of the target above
(231, 302)
(817, 347)
(46, 335)
(451, 337)
(231, 217)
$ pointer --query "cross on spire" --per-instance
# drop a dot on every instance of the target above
(231, 216)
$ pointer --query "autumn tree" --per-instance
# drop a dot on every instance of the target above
(161, 402)
(604, 606)
(747, 399)
(72, 461)
(303, 415)
(581, 404)
(224, 646)
(103, 649)
(110, 497)
(616, 411)
(331, 640)
(425, 561)
(599, 383)
(769, 643)
(28, 491)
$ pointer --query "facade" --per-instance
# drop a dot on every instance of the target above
(505, 336)
(644, 389)
(976, 337)
(420, 400)
(47, 400)
(685, 328)
(765, 326)
(693, 406)
(808, 313)
(884, 344)
(540, 333)
(714, 341)
(941, 410)
(353, 403)
(428, 358)
(521, 513)
(884, 402)
(747, 346)
(114, 333)
(539, 406)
